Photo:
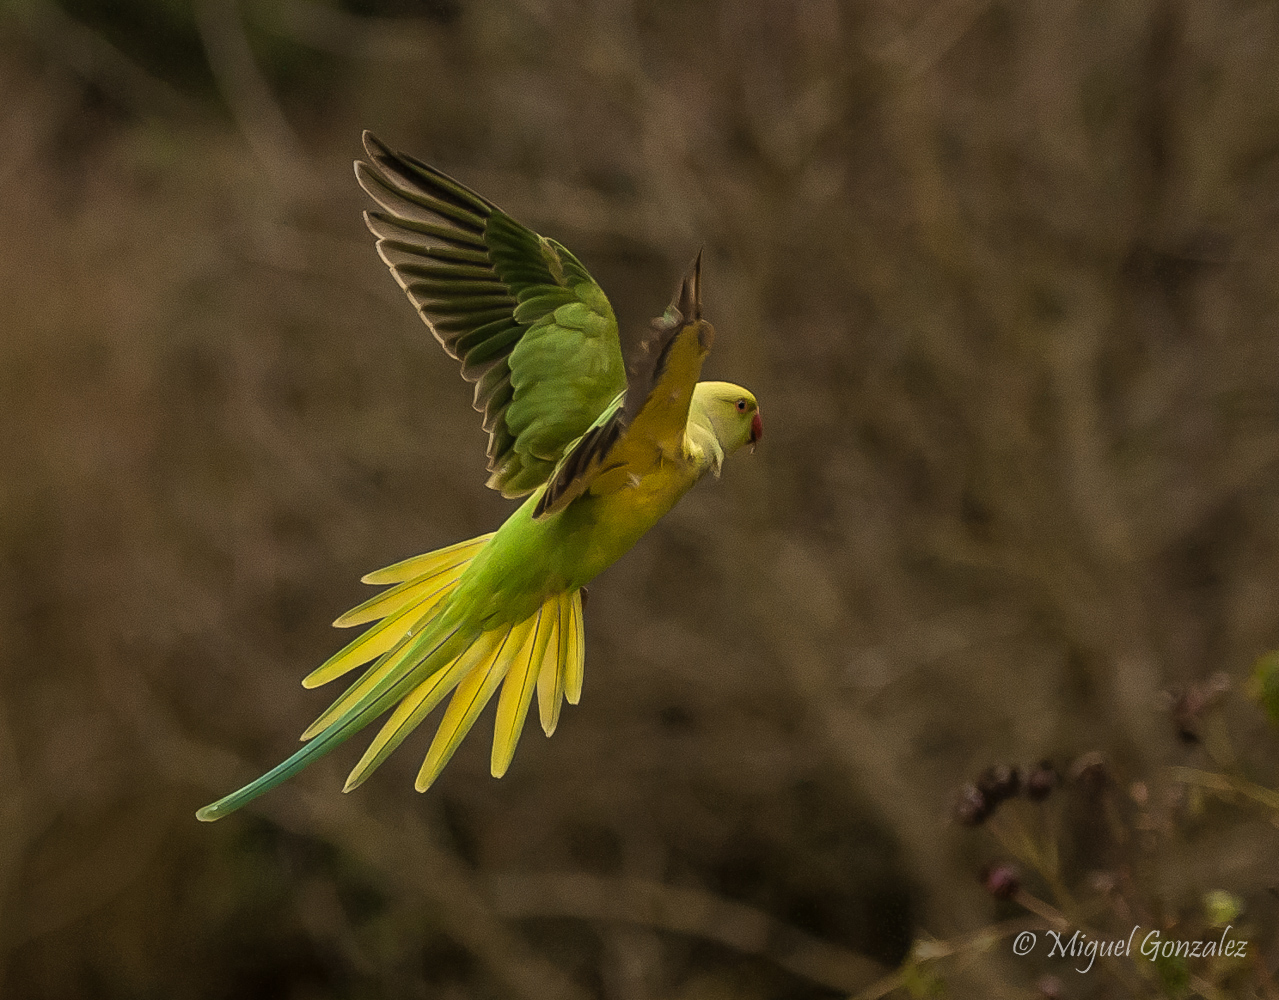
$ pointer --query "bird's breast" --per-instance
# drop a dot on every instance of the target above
(611, 523)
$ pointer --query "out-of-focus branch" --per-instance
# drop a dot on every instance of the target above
(406, 854)
(117, 859)
(15, 832)
(1245, 459)
(1074, 351)
(957, 248)
(1227, 785)
(409, 853)
(248, 95)
(932, 36)
(587, 211)
(684, 911)
(96, 59)
(329, 29)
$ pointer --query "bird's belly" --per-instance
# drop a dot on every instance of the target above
(615, 521)
(529, 560)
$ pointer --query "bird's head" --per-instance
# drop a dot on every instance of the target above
(731, 412)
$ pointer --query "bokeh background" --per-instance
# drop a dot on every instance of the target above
(1005, 279)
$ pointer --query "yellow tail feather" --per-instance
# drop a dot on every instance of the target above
(405, 611)
(468, 700)
(517, 690)
(428, 563)
(414, 592)
(379, 669)
(574, 669)
(550, 681)
(419, 702)
(381, 638)
(545, 652)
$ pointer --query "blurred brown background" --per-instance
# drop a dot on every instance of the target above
(1003, 277)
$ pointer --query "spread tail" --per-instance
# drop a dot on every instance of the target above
(420, 654)
(545, 652)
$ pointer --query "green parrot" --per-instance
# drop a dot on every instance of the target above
(600, 459)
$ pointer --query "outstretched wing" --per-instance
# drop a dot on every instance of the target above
(635, 434)
(532, 329)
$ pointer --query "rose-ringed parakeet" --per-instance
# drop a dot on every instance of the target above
(601, 460)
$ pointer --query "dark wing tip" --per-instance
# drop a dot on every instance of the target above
(688, 300)
(685, 307)
(686, 303)
(374, 146)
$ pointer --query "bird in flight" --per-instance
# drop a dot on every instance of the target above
(602, 450)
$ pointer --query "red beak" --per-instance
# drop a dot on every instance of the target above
(757, 430)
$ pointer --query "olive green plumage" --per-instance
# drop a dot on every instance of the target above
(602, 463)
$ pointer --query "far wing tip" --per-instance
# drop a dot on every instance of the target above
(373, 145)
(689, 298)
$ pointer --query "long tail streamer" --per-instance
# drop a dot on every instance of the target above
(419, 658)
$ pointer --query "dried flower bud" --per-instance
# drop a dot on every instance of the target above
(1090, 770)
(1185, 715)
(999, 782)
(1041, 781)
(972, 808)
(1002, 881)
(1189, 707)
(1049, 988)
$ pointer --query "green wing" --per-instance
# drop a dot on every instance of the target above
(532, 329)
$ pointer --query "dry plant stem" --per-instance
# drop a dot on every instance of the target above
(1041, 909)
(1043, 858)
(683, 911)
(1040, 854)
(1061, 923)
(932, 951)
(1215, 739)
(1228, 785)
